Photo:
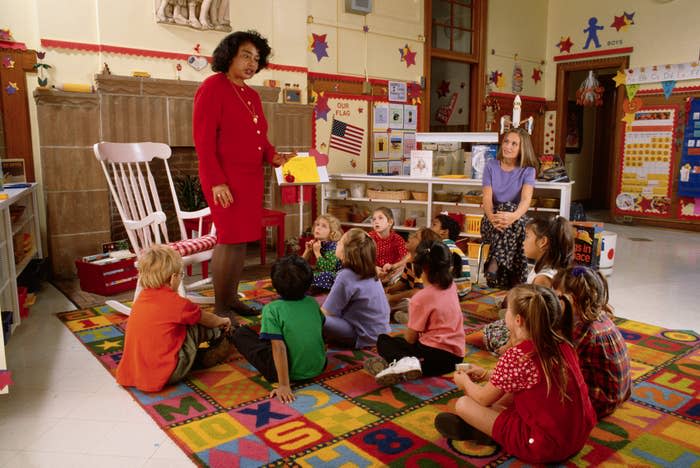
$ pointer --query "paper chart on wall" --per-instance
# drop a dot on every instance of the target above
(647, 159)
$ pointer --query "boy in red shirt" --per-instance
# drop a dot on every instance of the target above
(165, 330)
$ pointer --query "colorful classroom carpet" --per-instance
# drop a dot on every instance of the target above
(222, 417)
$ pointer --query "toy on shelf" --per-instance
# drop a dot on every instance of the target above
(507, 122)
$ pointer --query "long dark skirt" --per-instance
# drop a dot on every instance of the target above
(507, 249)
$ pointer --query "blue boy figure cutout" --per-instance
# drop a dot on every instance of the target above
(592, 31)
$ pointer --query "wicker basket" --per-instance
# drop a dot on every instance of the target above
(447, 197)
(474, 199)
(472, 224)
(534, 202)
(549, 202)
(388, 194)
(420, 196)
(341, 212)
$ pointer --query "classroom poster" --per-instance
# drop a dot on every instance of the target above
(380, 119)
(647, 159)
(396, 116)
(409, 144)
(410, 117)
(396, 145)
(344, 133)
(381, 145)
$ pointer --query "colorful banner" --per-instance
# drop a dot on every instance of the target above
(658, 73)
(646, 162)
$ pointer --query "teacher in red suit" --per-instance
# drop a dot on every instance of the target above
(230, 137)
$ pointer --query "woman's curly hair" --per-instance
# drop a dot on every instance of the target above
(228, 48)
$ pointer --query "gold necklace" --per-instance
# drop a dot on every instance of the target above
(248, 106)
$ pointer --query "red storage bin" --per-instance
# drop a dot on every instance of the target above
(22, 298)
(108, 279)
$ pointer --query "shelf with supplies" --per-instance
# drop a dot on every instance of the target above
(346, 197)
(20, 242)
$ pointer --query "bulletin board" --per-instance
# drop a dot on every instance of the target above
(394, 127)
(647, 162)
(689, 171)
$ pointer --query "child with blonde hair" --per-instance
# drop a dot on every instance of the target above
(602, 352)
(535, 402)
(327, 233)
(164, 330)
(391, 248)
(356, 308)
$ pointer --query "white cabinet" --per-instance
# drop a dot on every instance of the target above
(19, 243)
(436, 187)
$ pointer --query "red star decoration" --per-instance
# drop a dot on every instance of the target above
(536, 75)
(407, 56)
(565, 44)
(443, 89)
(619, 23)
(645, 204)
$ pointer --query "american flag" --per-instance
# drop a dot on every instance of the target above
(346, 137)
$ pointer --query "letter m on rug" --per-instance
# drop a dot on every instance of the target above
(186, 404)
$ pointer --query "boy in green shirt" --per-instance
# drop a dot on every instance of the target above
(290, 345)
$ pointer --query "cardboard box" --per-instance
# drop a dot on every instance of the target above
(107, 279)
(588, 239)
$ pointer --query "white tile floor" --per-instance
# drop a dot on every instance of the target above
(65, 410)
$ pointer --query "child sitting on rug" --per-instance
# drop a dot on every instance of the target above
(550, 243)
(356, 308)
(391, 248)
(164, 330)
(290, 346)
(602, 352)
(434, 340)
(399, 293)
(448, 229)
(327, 232)
(535, 402)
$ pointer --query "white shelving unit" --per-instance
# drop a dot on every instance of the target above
(560, 190)
(28, 222)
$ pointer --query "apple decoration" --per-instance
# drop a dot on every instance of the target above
(289, 178)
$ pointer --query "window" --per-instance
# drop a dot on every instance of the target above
(456, 64)
(452, 25)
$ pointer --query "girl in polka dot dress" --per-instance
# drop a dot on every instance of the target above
(327, 233)
(392, 255)
(535, 402)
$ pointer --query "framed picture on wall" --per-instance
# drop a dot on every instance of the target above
(574, 127)
(13, 170)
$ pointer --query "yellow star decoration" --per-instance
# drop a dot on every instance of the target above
(629, 118)
(105, 345)
(620, 78)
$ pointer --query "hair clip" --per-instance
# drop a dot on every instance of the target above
(444, 213)
(578, 271)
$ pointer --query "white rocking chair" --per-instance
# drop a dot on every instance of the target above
(133, 188)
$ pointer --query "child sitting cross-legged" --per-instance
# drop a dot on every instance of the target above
(327, 233)
(434, 340)
(399, 293)
(290, 346)
(448, 230)
(602, 352)
(165, 330)
(535, 402)
(356, 309)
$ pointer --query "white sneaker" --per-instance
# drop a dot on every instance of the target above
(407, 368)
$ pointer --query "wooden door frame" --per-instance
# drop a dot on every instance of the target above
(618, 62)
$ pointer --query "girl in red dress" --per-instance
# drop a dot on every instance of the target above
(230, 137)
(535, 403)
(392, 255)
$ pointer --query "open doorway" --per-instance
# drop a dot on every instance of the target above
(587, 135)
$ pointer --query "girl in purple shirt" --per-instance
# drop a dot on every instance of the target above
(508, 183)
